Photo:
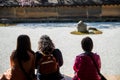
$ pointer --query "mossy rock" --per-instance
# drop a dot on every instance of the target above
(82, 33)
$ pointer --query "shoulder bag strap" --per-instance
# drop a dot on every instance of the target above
(25, 73)
(94, 63)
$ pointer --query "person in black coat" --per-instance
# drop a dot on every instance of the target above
(45, 45)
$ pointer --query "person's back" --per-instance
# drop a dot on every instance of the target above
(17, 73)
(47, 47)
(22, 60)
(84, 66)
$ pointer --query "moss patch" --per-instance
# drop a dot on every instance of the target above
(81, 33)
(5, 25)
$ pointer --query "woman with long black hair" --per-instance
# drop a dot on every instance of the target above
(23, 57)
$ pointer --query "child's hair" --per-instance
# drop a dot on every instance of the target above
(87, 44)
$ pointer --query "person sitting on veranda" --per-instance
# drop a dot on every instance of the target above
(24, 55)
(84, 67)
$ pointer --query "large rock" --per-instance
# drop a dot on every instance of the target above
(82, 27)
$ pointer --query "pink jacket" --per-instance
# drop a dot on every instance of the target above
(85, 66)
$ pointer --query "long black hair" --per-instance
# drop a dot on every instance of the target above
(22, 48)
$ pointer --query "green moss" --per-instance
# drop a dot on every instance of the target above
(81, 33)
(5, 25)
